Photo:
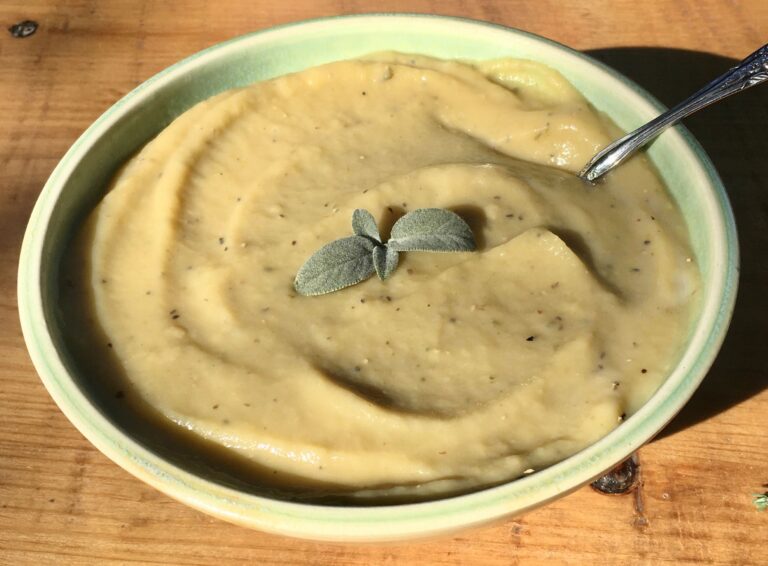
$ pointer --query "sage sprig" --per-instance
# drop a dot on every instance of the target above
(353, 259)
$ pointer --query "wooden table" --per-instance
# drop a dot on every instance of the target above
(62, 501)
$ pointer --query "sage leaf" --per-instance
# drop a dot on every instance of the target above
(363, 224)
(431, 230)
(341, 263)
(385, 261)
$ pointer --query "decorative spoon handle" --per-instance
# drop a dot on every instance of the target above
(751, 71)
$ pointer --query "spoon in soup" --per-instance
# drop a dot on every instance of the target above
(751, 71)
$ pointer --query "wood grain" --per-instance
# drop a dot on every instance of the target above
(62, 502)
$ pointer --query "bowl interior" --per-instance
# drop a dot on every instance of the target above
(81, 178)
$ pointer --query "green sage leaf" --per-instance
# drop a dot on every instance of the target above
(349, 261)
(385, 261)
(431, 230)
(363, 224)
(341, 263)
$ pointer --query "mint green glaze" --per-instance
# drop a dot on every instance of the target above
(79, 180)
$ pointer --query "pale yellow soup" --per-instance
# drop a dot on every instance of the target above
(462, 370)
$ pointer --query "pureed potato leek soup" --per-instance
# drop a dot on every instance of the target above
(459, 371)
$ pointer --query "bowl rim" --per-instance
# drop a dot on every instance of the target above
(361, 523)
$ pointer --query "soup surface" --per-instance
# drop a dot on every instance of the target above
(461, 370)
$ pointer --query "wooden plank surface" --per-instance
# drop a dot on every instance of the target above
(62, 502)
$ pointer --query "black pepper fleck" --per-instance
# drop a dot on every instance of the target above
(530, 339)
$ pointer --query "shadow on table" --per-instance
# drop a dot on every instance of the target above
(735, 135)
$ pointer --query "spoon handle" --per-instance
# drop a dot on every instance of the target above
(751, 71)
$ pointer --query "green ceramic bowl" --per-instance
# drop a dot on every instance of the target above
(79, 180)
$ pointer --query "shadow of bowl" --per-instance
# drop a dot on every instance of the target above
(734, 133)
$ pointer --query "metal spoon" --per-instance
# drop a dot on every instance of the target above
(751, 71)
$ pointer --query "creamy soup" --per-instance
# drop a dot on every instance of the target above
(461, 370)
